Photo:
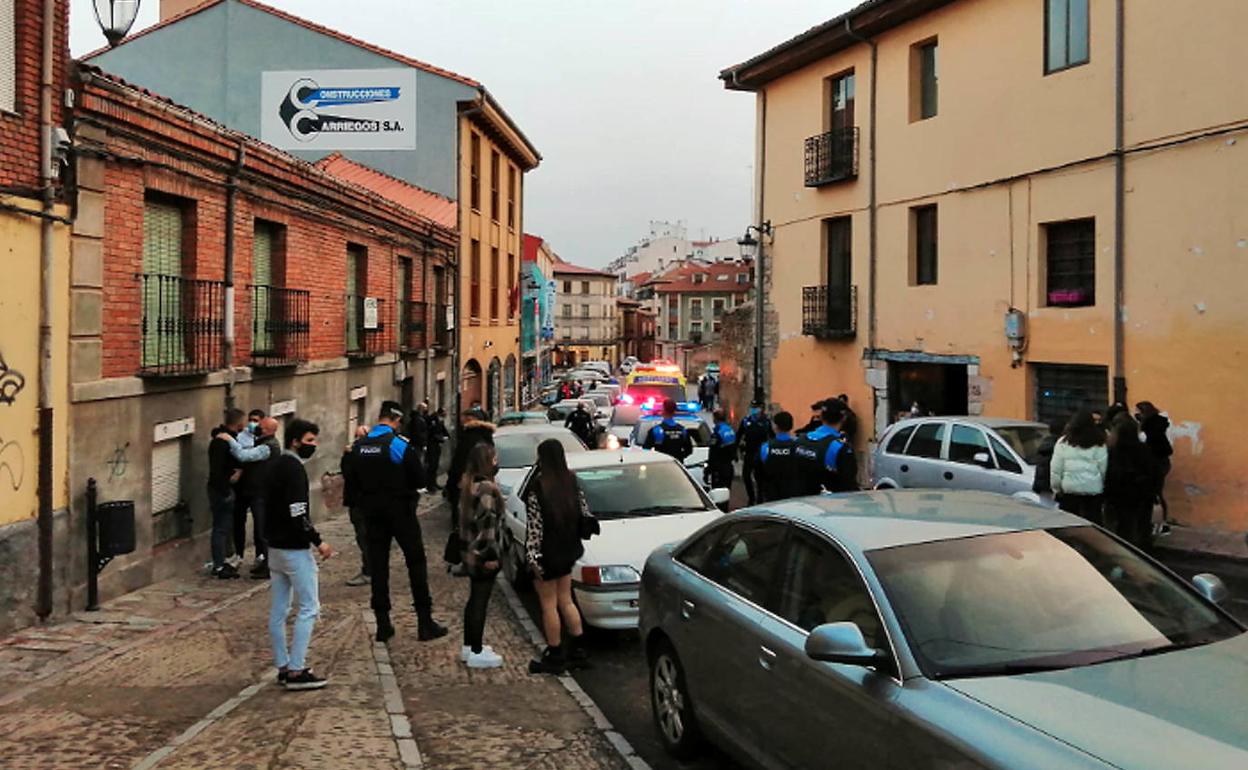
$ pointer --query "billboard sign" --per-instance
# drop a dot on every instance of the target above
(339, 109)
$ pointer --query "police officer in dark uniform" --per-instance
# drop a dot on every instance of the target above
(779, 468)
(669, 436)
(754, 431)
(828, 458)
(722, 452)
(581, 422)
(389, 471)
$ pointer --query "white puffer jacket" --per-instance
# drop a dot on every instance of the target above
(1077, 470)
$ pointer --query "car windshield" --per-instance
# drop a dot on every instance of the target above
(1038, 600)
(1024, 439)
(641, 489)
(626, 415)
(519, 450)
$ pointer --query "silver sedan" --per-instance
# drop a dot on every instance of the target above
(938, 629)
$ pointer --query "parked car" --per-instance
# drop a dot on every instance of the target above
(623, 419)
(985, 453)
(699, 432)
(516, 447)
(641, 501)
(938, 629)
(523, 418)
(561, 409)
(600, 366)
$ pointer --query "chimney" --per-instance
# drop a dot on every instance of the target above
(171, 8)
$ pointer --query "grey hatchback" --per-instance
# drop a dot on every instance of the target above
(938, 629)
(984, 453)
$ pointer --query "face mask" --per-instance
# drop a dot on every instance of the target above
(254, 428)
(305, 451)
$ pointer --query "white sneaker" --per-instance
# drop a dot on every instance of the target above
(465, 652)
(487, 658)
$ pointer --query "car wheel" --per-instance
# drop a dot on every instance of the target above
(671, 705)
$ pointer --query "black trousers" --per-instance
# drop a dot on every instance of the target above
(241, 504)
(1132, 520)
(475, 611)
(361, 536)
(1090, 507)
(396, 522)
(751, 476)
(433, 458)
(257, 505)
(722, 475)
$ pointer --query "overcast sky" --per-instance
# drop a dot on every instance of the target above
(621, 98)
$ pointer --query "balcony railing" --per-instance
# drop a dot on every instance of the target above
(442, 327)
(832, 157)
(413, 326)
(367, 332)
(279, 325)
(695, 338)
(183, 325)
(830, 312)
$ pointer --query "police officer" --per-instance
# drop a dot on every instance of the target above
(581, 422)
(389, 471)
(754, 431)
(826, 455)
(723, 451)
(669, 436)
(778, 467)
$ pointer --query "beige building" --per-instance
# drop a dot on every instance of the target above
(585, 315)
(931, 169)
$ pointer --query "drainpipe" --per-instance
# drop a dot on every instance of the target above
(872, 199)
(760, 296)
(231, 194)
(43, 599)
(430, 315)
(1120, 199)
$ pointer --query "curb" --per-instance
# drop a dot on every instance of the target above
(396, 710)
(613, 736)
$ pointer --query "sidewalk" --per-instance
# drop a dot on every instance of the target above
(178, 675)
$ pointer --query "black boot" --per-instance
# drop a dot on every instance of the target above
(385, 631)
(428, 629)
(551, 661)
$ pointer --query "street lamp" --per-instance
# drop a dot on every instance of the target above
(115, 18)
(752, 250)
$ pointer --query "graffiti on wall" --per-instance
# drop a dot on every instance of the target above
(11, 382)
(118, 461)
(12, 465)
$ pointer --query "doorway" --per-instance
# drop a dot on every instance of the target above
(939, 389)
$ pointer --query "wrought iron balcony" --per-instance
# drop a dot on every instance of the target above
(413, 326)
(830, 312)
(832, 157)
(367, 332)
(279, 325)
(182, 327)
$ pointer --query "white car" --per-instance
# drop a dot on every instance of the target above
(643, 500)
(516, 447)
(699, 432)
(601, 366)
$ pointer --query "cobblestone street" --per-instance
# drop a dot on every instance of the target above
(178, 675)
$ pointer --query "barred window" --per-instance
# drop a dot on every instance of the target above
(1070, 263)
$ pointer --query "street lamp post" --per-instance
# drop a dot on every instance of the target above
(752, 249)
(115, 18)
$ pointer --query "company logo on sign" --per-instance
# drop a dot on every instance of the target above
(339, 109)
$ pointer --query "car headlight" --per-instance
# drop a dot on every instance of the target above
(616, 574)
(613, 441)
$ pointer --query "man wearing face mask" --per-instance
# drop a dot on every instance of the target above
(389, 470)
(257, 463)
(291, 538)
(244, 451)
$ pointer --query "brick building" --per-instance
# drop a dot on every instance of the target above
(335, 293)
(34, 257)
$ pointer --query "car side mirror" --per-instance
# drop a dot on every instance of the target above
(982, 460)
(841, 643)
(1211, 587)
(720, 495)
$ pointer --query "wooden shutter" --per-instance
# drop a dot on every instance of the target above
(262, 282)
(166, 475)
(162, 292)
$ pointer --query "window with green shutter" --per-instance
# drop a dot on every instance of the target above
(262, 280)
(355, 258)
(163, 324)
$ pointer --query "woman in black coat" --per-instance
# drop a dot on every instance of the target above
(1131, 481)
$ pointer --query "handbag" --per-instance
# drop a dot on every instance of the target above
(588, 525)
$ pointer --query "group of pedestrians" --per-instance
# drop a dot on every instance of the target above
(1109, 468)
(708, 391)
(241, 455)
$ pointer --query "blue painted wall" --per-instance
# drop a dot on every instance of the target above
(212, 62)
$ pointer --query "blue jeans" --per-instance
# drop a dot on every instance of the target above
(222, 507)
(292, 573)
